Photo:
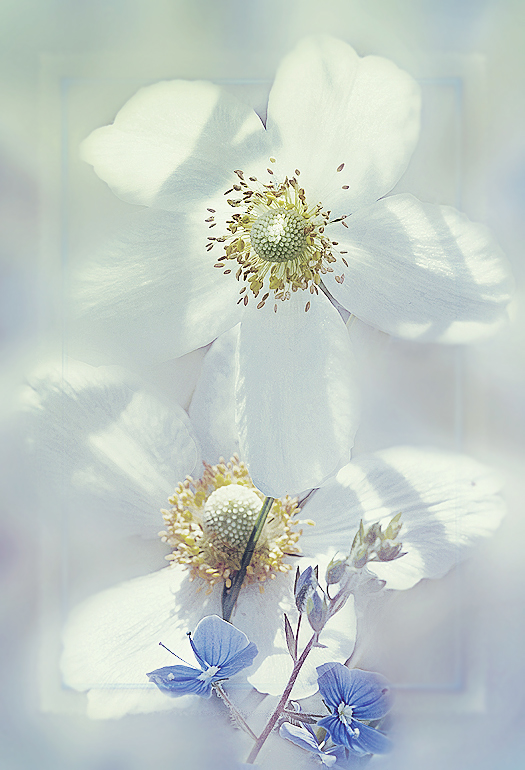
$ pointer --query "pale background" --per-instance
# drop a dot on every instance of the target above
(67, 66)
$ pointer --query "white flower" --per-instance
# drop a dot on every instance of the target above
(338, 136)
(100, 440)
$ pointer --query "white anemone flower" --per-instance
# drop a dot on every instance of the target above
(266, 225)
(107, 437)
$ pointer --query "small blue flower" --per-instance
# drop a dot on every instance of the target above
(335, 757)
(221, 651)
(354, 696)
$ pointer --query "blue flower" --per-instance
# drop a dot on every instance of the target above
(221, 651)
(354, 696)
(335, 757)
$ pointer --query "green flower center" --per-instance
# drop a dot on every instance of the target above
(279, 236)
(230, 514)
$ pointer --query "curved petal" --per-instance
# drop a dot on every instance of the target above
(272, 675)
(328, 107)
(369, 741)
(180, 680)
(105, 449)
(335, 685)
(421, 271)
(337, 730)
(218, 643)
(448, 502)
(366, 692)
(296, 397)
(212, 408)
(176, 143)
(112, 639)
(153, 294)
(302, 737)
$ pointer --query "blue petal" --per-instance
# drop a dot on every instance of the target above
(216, 642)
(241, 660)
(370, 695)
(348, 760)
(366, 692)
(370, 741)
(300, 736)
(180, 680)
(334, 684)
(337, 730)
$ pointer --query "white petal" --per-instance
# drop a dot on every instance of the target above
(296, 401)
(112, 639)
(274, 673)
(448, 502)
(421, 271)
(338, 636)
(212, 408)
(328, 107)
(107, 452)
(154, 294)
(175, 143)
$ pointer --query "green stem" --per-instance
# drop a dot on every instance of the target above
(230, 595)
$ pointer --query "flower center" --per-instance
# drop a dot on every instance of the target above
(209, 673)
(230, 514)
(212, 518)
(345, 713)
(276, 238)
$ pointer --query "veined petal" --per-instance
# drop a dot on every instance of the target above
(328, 107)
(336, 729)
(176, 143)
(180, 680)
(104, 447)
(218, 643)
(153, 294)
(448, 502)
(112, 639)
(366, 692)
(421, 271)
(370, 741)
(296, 397)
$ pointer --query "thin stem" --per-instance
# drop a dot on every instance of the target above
(282, 703)
(236, 714)
(230, 595)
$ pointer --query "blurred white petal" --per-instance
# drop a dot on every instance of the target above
(297, 406)
(212, 408)
(422, 272)
(106, 450)
(112, 640)
(175, 143)
(328, 106)
(142, 296)
(448, 503)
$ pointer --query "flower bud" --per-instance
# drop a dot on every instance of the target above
(336, 571)
(389, 551)
(305, 585)
(316, 611)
